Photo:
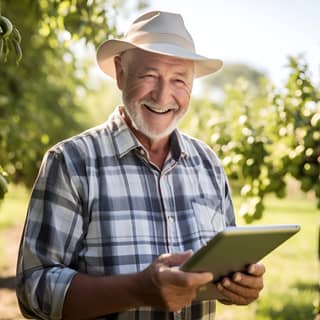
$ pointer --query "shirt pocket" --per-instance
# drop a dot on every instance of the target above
(209, 217)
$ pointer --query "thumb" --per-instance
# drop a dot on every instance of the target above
(257, 269)
(175, 259)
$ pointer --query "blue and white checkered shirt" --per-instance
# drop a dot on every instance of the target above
(100, 207)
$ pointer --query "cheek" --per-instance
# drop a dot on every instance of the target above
(136, 91)
(183, 98)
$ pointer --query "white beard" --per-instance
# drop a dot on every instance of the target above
(140, 125)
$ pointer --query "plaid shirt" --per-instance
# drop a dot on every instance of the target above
(100, 207)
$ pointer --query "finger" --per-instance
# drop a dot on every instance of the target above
(233, 297)
(257, 269)
(236, 293)
(200, 279)
(187, 279)
(175, 259)
(240, 289)
(248, 281)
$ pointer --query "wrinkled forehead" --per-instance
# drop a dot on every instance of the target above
(137, 56)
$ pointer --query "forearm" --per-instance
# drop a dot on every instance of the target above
(161, 286)
(93, 296)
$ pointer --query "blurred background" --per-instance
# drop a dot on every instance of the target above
(260, 114)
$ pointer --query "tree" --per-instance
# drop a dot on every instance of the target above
(40, 101)
(264, 135)
(300, 127)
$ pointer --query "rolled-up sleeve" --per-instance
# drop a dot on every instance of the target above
(50, 241)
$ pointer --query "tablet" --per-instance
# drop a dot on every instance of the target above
(233, 249)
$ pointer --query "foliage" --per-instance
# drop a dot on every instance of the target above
(3, 183)
(301, 109)
(41, 100)
(261, 133)
(264, 135)
(9, 37)
(228, 76)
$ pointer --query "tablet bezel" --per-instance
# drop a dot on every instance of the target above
(227, 252)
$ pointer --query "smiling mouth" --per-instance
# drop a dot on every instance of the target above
(158, 111)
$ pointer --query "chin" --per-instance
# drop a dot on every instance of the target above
(140, 125)
(157, 135)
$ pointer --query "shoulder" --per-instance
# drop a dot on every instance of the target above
(198, 148)
(72, 157)
(88, 143)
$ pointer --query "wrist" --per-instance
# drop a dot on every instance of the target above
(143, 288)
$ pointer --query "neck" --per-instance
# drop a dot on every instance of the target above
(157, 148)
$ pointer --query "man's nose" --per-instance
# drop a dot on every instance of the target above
(162, 93)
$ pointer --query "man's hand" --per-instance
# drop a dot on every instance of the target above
(165, 287)
(241, 288)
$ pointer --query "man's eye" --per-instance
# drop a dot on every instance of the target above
(180, 81)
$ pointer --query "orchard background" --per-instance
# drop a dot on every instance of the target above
(267, 136)
(263, 134)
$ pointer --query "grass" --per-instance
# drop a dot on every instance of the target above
(292, 270)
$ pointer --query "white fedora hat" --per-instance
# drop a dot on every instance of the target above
(159, 32)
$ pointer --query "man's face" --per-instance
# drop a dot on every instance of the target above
(155, 89)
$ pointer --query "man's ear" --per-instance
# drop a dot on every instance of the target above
(119, 72)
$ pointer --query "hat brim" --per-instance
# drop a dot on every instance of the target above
(111, 48)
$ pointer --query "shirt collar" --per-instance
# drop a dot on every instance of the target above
(177, 146)
(125, 140)
(123, 137)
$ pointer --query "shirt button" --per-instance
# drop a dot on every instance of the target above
(171, 219)
(178, 315)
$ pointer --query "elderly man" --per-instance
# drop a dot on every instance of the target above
(116, 210)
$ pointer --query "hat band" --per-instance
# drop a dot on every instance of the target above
(139, 38)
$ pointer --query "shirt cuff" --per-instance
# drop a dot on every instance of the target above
(60, 291)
